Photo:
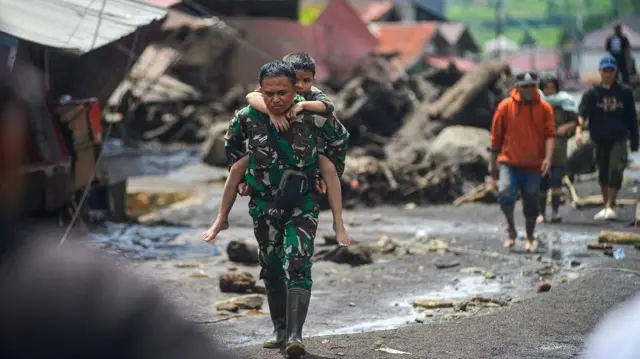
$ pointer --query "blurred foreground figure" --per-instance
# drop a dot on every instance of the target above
(616, 335)
(67, 303)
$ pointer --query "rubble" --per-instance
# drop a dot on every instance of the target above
(249, 302)
(237, 282)
(243, 252)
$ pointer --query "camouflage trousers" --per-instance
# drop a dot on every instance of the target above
(285, 242)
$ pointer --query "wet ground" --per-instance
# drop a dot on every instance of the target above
(347, 299)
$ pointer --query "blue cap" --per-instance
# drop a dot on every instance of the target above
(608, 62)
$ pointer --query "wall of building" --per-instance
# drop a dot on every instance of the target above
(590, 59)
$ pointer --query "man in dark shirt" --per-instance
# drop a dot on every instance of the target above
(67, 303)
(610, 110)
(618, 46)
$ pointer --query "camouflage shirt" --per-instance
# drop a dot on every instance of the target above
(248, 134)
(315, 94)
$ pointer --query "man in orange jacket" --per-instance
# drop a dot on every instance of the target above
(522, 142)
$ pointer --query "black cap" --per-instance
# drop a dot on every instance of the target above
(526, 78)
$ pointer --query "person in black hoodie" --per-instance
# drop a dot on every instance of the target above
(66, 302)
(610, 111)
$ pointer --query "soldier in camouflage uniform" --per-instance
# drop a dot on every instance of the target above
(285, 238)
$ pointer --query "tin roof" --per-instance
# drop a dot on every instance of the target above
(347, 37)
(75, 25)
(452, 31)
(407, 40)
(374, 11)
(442, 62)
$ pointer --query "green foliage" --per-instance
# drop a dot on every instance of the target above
(309, 14)
(596, 13)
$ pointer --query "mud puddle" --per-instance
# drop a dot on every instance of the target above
(138, 242)
(145, 159)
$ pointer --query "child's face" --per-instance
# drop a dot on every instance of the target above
(304, 81)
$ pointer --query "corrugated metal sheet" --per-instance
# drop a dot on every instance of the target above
(347, 38)
(442, 62)
(99, 72)
(452, 31)
(434, 7)
(75, 25)
(374, 11)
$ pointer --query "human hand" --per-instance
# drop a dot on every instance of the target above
(320, 186)
(295, 110)
(244, 189)
(279, 122)
(546, 166)
(493, 170)
(561, 131)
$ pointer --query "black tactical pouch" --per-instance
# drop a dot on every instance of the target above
(294, 185)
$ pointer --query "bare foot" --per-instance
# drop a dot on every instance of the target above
(528, 245)
(511, 240)
(218, 226)
(342, 237)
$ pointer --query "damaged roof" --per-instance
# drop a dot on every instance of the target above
(75, 25)
(408, 41)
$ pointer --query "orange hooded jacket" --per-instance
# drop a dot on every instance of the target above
(519, 131)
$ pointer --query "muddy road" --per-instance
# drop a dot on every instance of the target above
(347, 299)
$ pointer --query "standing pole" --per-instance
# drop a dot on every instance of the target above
(579, 37)
(95, 35)
(500, 15)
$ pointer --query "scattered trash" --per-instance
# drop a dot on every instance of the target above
(599, 246)
(377, 217)
(199, 274)
(186, 265)
(446, 265)
(618, 253)
(326, 341)
(392, 351)
(427, 303)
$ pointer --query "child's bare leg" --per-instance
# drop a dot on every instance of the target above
(229, 194)
(334, 194)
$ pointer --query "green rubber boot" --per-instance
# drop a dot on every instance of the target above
(277, 300)
(297, 307)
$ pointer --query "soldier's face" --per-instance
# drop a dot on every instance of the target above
(279, 94)
(304, 81)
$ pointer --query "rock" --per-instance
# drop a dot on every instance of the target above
(249, 301)
(433, 303)
(471, 154)
(461, 306)
(477, 270)
(237, 282)
(544, 287)
(213, 152)
(486, 302)
(384, 245)
(243, 252)
(186, 265)
(354, 255)
(330, 240)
